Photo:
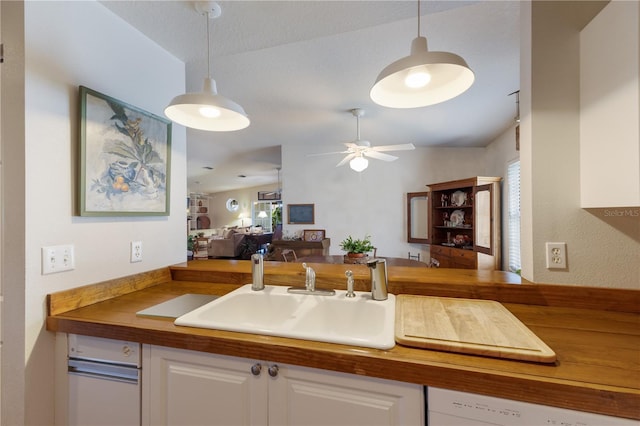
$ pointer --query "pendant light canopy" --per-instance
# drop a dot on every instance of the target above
(423, 78)
(207, 110)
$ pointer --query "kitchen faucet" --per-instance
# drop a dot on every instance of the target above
(310, 278)
(310, 284)
(379, 281)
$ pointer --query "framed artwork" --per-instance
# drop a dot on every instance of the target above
(268, 195)
(313, 234)
(125, 158)
(302, 214)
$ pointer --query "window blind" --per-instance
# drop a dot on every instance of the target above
(513, 237)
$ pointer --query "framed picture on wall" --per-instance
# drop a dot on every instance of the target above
(125, 158)
(313, 234)
(302, 214)
(268, 195)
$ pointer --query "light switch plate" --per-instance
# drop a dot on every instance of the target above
(58, 259)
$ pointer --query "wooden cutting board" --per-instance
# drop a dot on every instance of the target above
(471, 326)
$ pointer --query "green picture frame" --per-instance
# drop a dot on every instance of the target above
(300, 214)
(125, 159)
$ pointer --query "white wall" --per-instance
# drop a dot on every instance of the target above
(603, 248)
(372, 202)
(70, 44)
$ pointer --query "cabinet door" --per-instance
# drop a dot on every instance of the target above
(303, 396)
(418, 217)
(183, 388)
(483, 209)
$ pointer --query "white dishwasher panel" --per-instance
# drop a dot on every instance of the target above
(453, 408)
(103, 382)
(102, 402)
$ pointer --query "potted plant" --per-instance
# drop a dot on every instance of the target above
(190, 246)
(355, 247)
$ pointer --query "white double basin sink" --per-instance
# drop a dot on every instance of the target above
(357, 321)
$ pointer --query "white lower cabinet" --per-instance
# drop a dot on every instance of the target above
(182, 387)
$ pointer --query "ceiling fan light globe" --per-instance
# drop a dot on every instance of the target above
(359, 164)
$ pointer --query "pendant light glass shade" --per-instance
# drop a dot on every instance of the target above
(207, 110)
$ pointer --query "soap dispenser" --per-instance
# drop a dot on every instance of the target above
(378, 269)
(257, 272)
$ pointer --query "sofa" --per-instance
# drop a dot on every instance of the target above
(229, 244)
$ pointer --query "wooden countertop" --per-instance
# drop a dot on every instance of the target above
(598, 367)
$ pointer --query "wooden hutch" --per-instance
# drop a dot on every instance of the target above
(462, 222)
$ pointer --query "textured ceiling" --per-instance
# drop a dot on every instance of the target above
(298, 67)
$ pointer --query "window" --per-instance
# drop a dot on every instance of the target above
(263, 212)
(513, 236)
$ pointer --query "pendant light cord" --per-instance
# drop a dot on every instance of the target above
(208, 46)
(418, 18)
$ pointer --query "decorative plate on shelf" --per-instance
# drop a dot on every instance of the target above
(458, 198)
(457, 218)
(313, 234)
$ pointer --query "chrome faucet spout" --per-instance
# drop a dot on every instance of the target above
(379, 280)
(310, 284)
(310, 278)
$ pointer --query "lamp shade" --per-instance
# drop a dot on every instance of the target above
(262, 214)
(358, 163)
(423, 78)
(207, 110)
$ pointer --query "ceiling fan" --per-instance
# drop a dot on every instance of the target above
(358, 149)
(277, 194)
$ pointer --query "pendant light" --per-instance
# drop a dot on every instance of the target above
(423, 78)
(207, 110)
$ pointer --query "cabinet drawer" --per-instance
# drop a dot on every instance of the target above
(463, 259)
(440, 250)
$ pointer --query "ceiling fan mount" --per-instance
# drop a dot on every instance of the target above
(359, 148)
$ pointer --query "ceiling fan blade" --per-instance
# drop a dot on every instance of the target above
(399, 147)
(345, 160)
(379, 155)
(328, 153)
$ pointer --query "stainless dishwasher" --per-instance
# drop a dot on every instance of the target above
(104, 381)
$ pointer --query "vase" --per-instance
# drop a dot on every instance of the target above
(356, 258)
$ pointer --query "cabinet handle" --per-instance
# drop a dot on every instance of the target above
(256, 369)
(273, 370)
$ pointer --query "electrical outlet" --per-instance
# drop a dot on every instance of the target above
(58, 259)
(556, 255)
(136, 251)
